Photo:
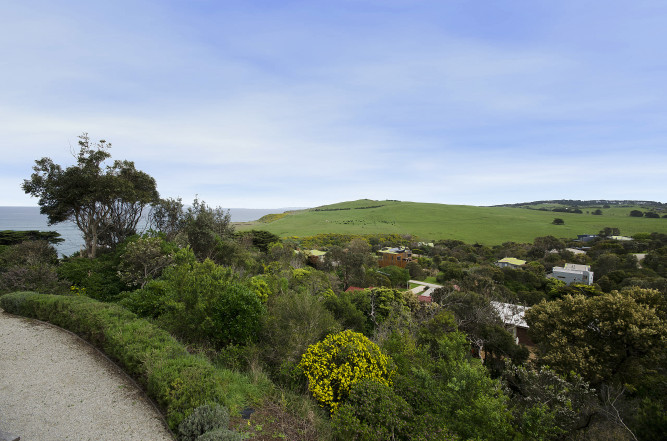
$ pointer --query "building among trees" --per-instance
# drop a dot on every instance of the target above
(510, 262)
(573, 273)
(399, 257)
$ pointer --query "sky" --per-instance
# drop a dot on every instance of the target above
(265, 104)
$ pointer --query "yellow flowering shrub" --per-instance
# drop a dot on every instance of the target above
(333, 365)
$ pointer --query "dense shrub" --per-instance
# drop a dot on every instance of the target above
(335, 364)
(200, 302)
(447, 390)
(373, 411)
(345, 311)
(39, 278)
(98, 276)
(295, 321)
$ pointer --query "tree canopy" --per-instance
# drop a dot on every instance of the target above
(105, 202)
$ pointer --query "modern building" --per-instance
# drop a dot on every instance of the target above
(573, 273)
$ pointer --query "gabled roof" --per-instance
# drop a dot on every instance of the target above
(397, 250)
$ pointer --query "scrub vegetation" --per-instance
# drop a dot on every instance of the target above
(247, 335)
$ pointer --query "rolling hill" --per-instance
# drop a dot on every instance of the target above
(486, 225)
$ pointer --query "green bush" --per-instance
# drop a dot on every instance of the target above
(178, 381)
(295, 321)
(200, 303)
(373, 411)
(98, 276)
(203, 419)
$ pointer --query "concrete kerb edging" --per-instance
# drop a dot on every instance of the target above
(101, 353)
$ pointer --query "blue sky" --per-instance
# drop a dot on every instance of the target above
(264, 104)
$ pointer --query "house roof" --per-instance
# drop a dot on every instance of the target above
(394, 250)
(511, 314)
(576, 267)
(512, 261)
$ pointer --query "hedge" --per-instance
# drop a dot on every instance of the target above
(178, 381)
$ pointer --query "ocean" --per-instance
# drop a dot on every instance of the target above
(29, 218)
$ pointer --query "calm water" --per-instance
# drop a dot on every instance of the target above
(28, 218)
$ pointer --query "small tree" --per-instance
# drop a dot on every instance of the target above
(558, 221)
(204, 226)
(636, 213)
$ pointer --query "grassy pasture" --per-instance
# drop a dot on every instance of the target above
(486, 225)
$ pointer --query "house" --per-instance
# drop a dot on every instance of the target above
(513, 318)
(575, 251)
(315, 256)
(586, 237)
(394, 256)
(621, 238)
(510, 262)
(573, 273)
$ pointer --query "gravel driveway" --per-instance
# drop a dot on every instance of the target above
(54, 386)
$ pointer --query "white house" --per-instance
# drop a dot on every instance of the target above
(573, 273)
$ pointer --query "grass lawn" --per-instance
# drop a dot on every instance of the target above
(428, 222)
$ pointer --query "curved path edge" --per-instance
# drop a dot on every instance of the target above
(54, 385)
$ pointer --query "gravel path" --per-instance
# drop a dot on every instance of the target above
(54, 386)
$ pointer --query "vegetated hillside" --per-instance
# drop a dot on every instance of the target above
(486, 225)
(595, 203)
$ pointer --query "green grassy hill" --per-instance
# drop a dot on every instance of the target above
(486, 225)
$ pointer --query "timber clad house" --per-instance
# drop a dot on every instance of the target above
(394, 256)
(573, 273)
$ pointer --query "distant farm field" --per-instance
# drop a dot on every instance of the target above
(486, 225)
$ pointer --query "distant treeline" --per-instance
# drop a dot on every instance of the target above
(589, 203)
(10, 237)
(347, 208)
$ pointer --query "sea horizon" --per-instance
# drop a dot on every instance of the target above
(26, 218)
